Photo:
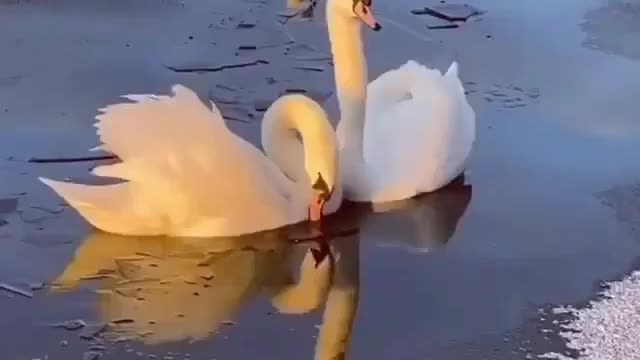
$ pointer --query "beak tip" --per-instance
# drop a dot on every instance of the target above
(377, 27)
(318, 256)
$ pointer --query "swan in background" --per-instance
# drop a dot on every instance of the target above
(409, 131)
(186, 174)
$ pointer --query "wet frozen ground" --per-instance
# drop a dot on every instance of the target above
(553, 210)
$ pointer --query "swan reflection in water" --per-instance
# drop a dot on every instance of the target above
(158, 290)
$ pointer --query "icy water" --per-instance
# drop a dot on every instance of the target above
(549, 211)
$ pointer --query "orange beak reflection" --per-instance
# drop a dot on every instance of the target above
(316, 208)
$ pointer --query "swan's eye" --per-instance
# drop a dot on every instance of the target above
(364, 6)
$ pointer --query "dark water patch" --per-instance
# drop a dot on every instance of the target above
(624, 200)
(614, 29)
(11, 80)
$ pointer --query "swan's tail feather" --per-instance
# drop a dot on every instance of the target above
(103, 207)
(118, 171)
(130, 170)
(452, 77)
(170, 123)
(413, 63)
(144, 97)
(453, 70)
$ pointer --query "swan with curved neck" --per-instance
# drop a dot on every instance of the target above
(409, 131)
(186, 174)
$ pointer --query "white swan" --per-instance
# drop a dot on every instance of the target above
(187, 174)
(409, 131)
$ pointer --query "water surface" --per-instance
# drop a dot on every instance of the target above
(453, 276)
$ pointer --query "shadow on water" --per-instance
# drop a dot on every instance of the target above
(162, 290)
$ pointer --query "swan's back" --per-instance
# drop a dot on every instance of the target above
(419, 124)
(185, 172)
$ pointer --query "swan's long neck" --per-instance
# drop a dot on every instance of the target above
(350, 70)
(309, 293)
(337, 285)
(290, 119)
(341, 303)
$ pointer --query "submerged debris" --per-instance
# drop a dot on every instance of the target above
(91, 355)
(37, 286)
(246, 25)
(447, 16)
(59, 210)
(73, 159)
(70, 325)
(449, 12)
(310, 68)
(288, 13)
(97, 347)
(262, 104)
(101, 274)
(317, 57)
(226, 87)
(15, 290)
(437, 23)
(92, 331)
(214, 67)
(8, 205)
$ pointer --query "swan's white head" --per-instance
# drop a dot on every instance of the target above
(357, 9)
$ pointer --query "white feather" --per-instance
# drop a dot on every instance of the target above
(419, 131)
(409, 131)
(185, 173)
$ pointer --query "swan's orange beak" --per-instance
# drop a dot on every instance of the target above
(366, 15)
(316, 208)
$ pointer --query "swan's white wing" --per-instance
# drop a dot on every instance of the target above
(151, 122)
(185, 170)
(419, 129)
